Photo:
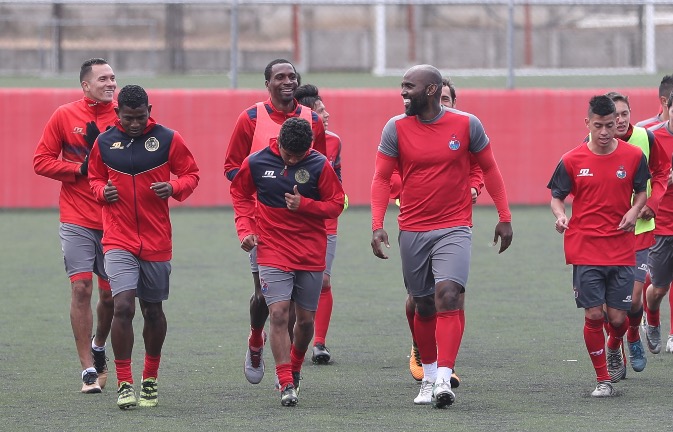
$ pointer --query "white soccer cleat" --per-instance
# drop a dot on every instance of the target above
(425, 394)
(669, 344)
(603, 389)
(253, 368)
(442, 395)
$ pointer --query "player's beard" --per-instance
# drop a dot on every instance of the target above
(415, 107)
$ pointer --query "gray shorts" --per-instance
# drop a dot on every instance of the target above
(82, 250)
(303, 287)
(660, 261)
(254, 268)
(641, 265)
(331, 252)
(150, 279)
(597, 285)
(435, 256)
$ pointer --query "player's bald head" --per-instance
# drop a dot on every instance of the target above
(426, 74)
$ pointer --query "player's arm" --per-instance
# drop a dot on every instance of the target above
(331, 192)
(242, 192)
(476, 179)
(380, 194)
(560, 185)
(239, 146)
(98, 176)
(319, 139)
(660, 168)
(184, 166)
(46, 160)
(628, 222)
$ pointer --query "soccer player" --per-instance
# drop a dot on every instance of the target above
(431, 146)
(308, 95)
(62, 154)
(602, 175)
(665, 89)
(254, 128)
(659, 166)
(661, 255)
(130, 175)
(448, 100)
(296, 190)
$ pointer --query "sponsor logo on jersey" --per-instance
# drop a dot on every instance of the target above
(152, 144)
(584, 172)
(117, 146)
(78, 130)
(302, 176)
(269, 174)
(454, 143)
(621, 172)
(627, 299)
(643, 267)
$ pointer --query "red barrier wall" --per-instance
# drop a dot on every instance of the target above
(529, 131)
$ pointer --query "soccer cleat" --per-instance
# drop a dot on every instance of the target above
(637, 355)
(653, 336)
(253, 368)
(288, 396)
(321, 354)
(455, 380)
(148, 393)
(90, 383)
(296, 381)
(100, 363)
(415, 365)
(442, 396)
(669, 344)
(126, 396)
(616, 365)
(603, 389)
(425, 394)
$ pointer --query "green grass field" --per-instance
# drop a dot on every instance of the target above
(344, 80)
(523, 363)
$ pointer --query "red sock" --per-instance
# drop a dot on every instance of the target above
(123, 368)
(653, 317)
(633, 333)
(424, 331)
(284, 373)
(323, 315)
(449, 334)
(151, 369)
(297, 358)
(461, 316)
(411, 314)
(256, 338)
(594, 339)
(615, 334)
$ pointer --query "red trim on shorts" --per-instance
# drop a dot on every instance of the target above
(103, 284)
(81, 276)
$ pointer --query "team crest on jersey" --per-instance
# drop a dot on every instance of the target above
(621, 172)
(152, 144)
(454, 144)
(302, 176)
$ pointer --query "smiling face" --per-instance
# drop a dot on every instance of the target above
(282, 84)
(413, 93)
(623, 118)
(100, 84)
(134, 120)
(446, 99)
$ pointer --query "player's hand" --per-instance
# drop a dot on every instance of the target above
(646, 213)
(84, 168)
(249, 242)
(503, 230)
(293, 199)
(670, 177)
(164, 190)
(561, 224)
(110, 192)
(628, 222)
(345, 202)
(380, 236)
(474, 195)
(92, 133)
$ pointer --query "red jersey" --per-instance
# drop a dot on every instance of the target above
(243, 137)
(63, 137)
(602, 186)
(139, 221)
(434, 163)
(334, 157)
(287, 240)
(664, 219)
(652, 121)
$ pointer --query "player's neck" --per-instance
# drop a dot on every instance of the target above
(600, 149)
(286, 107)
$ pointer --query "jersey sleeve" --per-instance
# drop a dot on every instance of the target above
(331, 202)
(560, 183)
(240, 144)
(388, 145)
(46, 160)
(478, 138)
(184, 166)
(380, 191)
(319, 139)
(642, 176)
(242, 192)
(97, 174)
(660, 166)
